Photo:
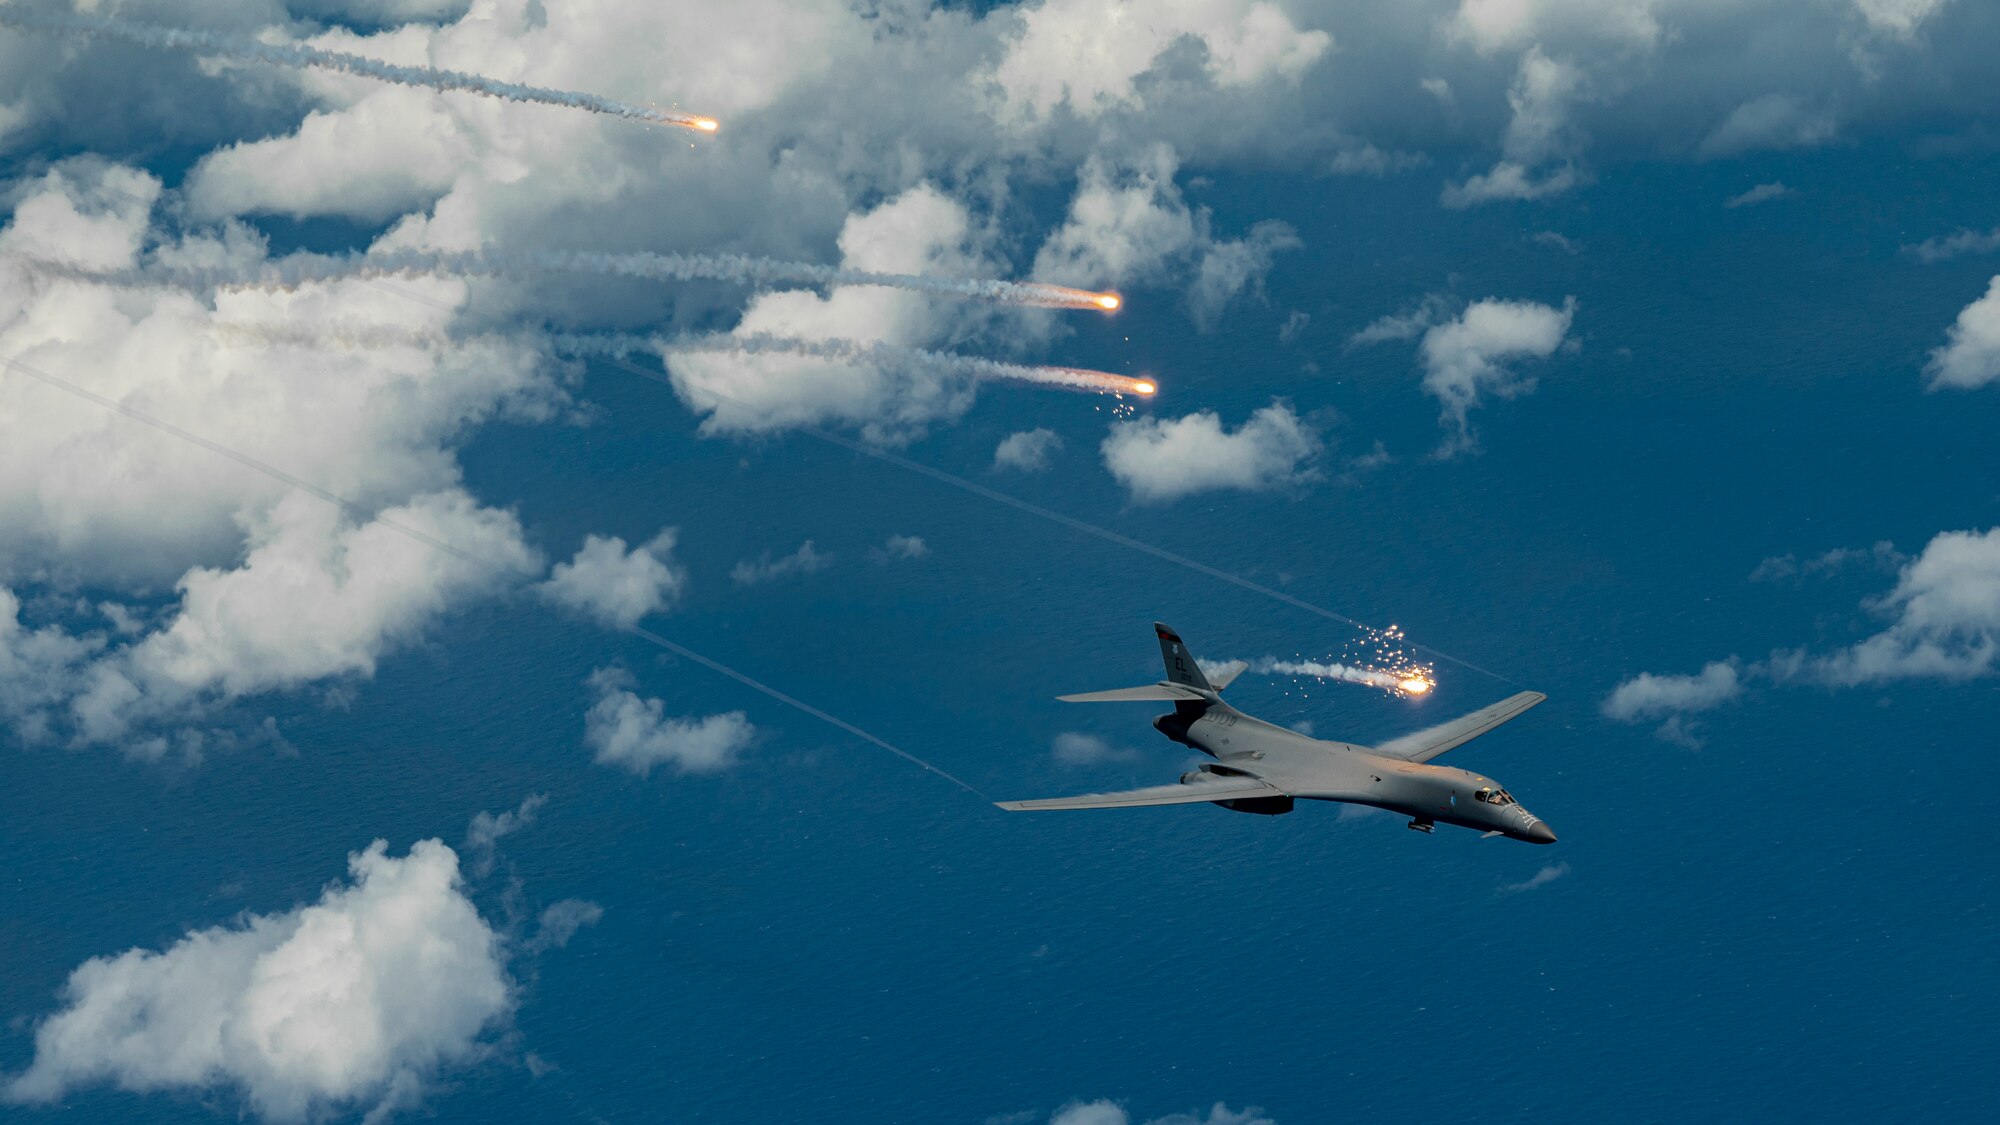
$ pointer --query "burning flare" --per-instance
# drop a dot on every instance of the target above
(858, 352)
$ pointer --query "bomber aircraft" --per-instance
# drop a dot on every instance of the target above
(1262, 768)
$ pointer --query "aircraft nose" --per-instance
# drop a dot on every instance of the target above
(1541, 833)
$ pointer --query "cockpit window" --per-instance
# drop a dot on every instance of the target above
(1493, 796)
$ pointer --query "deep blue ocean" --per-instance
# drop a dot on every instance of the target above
(1794, 922)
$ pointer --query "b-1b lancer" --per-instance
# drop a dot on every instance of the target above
(1261, 768)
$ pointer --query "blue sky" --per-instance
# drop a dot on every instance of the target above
(1640, 353)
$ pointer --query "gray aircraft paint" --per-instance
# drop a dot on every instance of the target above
(1263, 768)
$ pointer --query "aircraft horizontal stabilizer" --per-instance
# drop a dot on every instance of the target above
(1232, 789)
(1151, 693)
(1427, 744)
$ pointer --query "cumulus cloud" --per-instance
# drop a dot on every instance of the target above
(1129, 225)
(1028, 451)
(1087, 55)
(562, 921)
(1107, 1112)
(901, 547)
(356, 999)
(389, 153)
(1898, 18)
(1762, 193)
(277, 587)
(106, 500)
(38, 667)
(316, 597)
(1406, 325)
(1074, 748)
(1673, 700)
(617, 586)
(1882, 556)
(1503, 25)
(1160, 460)
(1944, 619)
(920, 231)
(1771, 121)
(1465, 358)
(808, 559)
(1954, 244)
(635, 734)
(483, 835)
(1970, 357)
(1542, 97)
(1647, 696)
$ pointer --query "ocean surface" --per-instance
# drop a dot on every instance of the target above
(1792, 922)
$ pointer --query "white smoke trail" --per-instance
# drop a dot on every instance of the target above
(300, 55)
(1404, 679)
(300, 269)
(887, 356)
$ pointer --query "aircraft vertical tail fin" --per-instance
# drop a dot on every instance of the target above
(1181, 666)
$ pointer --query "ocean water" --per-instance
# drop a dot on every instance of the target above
(1792, 922)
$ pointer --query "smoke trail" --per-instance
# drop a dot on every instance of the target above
(1402, 677)
(300, 269)
(891, 357)
(353, 334)
(300, 55)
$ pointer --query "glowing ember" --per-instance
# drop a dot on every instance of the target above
(706, 124)
(1144, 387)
(1109, 302)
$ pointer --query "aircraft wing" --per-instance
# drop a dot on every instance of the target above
(1160, 692)
(1235, 788)
(1427, 744)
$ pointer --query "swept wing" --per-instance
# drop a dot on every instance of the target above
(1229, 789)
(1427, 744)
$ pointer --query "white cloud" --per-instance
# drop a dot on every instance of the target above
(1406, 325)
(561, 921)
(1762, 193)
(316, 597)
(1464, 358)
(1898, 18)
(1970, 357)
(635, 733)
(1548, 874)
(393, 151)
(1028, 451)
(1958, 242)
(356, 999)
(1088, 54)
(808, 559)
(1505, 25)
(101, 498)
(616, 586)
(1646, 697)
(1883, 556)
(1111, 1113)
(37, 669)
(1771, 121)
(1160, 460)
(1544, 93)
(1128, 224)
(483, 835)
(920, 231)
(1074, 748)
(901, 547)
(1945, 611)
